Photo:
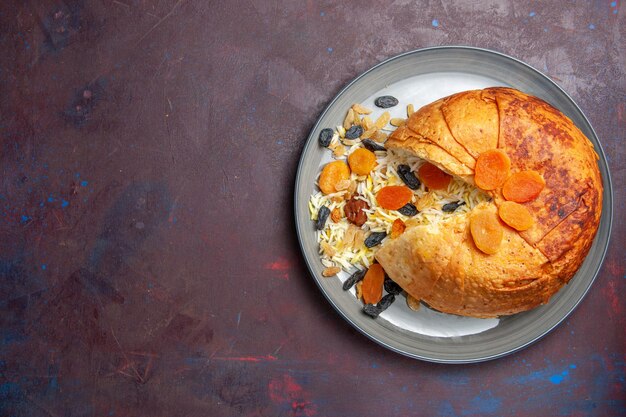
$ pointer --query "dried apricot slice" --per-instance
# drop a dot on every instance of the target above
(486, 231)
(492, 169)
(515, 215)
(397, 228)
(433, 177)
(362, 161)
(332, 173)
(372, 284)
(523, 186)
(392, 197)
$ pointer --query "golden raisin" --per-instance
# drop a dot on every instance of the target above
(397, 228)
(331, 271)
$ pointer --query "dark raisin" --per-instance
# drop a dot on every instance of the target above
(326, 136)
(354, 211)
(372, 310)
(354, 278)
(385, 302)
(322, 216)
(408, 177)
(408, 210)
(384, 102)
(391, 287)
(354, 132)
(374, 239)
(370, 145)
(450, 207)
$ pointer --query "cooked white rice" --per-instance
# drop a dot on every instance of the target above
(379, 219)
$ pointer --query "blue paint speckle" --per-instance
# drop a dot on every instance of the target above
(374, 365)
(65, 203)
(50, 199)
(322, 14)
(9, 389)
(545, 29)
(613, 3)
(77, 175)
(483, 404)
(11, 336)
(446, 410)
(615, 11)
(532, 14)
(329, 49)
(54, 383)
(556, 379)
(435, 23)
(44, 266)
(26, 44)
(592, 26)
(279, 142)
(24, 218)
(84, 183)
(194, 361)
(543, 376)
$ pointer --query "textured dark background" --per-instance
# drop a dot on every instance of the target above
(148, 260)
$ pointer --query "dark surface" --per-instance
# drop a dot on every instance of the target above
(148, 259)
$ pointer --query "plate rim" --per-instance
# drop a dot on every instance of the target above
(607, 209)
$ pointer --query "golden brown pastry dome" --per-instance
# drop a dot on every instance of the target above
(439, 263)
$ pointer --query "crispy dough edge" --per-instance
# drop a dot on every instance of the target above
(563, 266)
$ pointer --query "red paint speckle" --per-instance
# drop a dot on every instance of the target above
(280, 265)
(621, 110)
(614, 268)
(613, 299)
(286, 391)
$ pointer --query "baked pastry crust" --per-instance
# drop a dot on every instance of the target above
(439, 263)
